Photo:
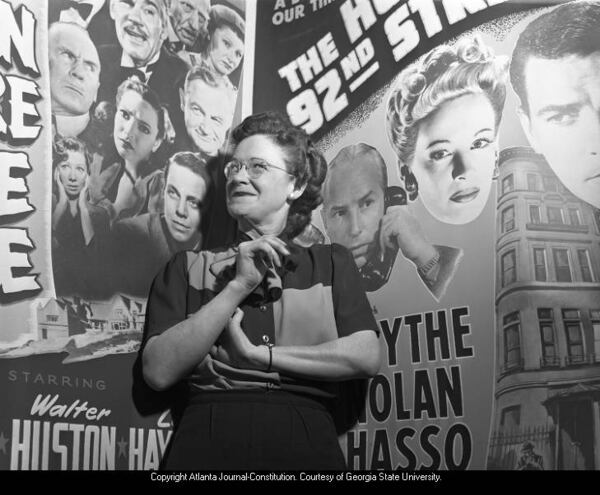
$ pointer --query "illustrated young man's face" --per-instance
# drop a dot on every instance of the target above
(74, 71)
(353, 206)
(208, 112)
(140, 27)
(183, 197)
(189, 19)
(563, 121)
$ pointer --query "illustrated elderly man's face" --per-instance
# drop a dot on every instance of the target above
(140, 26)
(563, 121)
(208, 112)
(74, 70)
(353, 206)
(189, 19)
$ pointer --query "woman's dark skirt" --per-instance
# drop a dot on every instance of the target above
(255, 430)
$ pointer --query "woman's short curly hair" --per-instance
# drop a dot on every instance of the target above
(303, 160)
(223, 16)
(62, 146)
(445, 73)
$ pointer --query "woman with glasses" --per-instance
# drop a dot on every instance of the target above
(262, 332)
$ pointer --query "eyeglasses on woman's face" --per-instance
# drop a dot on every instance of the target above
(254, 167)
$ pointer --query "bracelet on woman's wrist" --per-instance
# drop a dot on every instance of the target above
(270, 347)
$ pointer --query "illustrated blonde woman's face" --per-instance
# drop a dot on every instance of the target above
(455, 157)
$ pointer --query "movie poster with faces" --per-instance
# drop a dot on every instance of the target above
(114, 116)
(462, 141)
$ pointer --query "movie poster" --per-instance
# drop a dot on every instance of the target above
(463, 174)
(463, 147)
(118, 109)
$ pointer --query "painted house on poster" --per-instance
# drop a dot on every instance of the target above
(120, 313)
(52, 320)
(547, 319)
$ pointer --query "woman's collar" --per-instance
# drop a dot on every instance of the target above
(253, 234)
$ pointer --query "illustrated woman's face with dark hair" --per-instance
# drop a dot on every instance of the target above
(72, 173)
(226, 50)
(136, 128)
(455, 157)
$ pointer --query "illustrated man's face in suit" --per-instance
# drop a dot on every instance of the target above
(74, 70)
(141, 27)
(562, 120)
(183, 197)
(189, 19)
(353, 206)
(208, 112)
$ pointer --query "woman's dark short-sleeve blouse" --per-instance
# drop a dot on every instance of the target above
(322, 299)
